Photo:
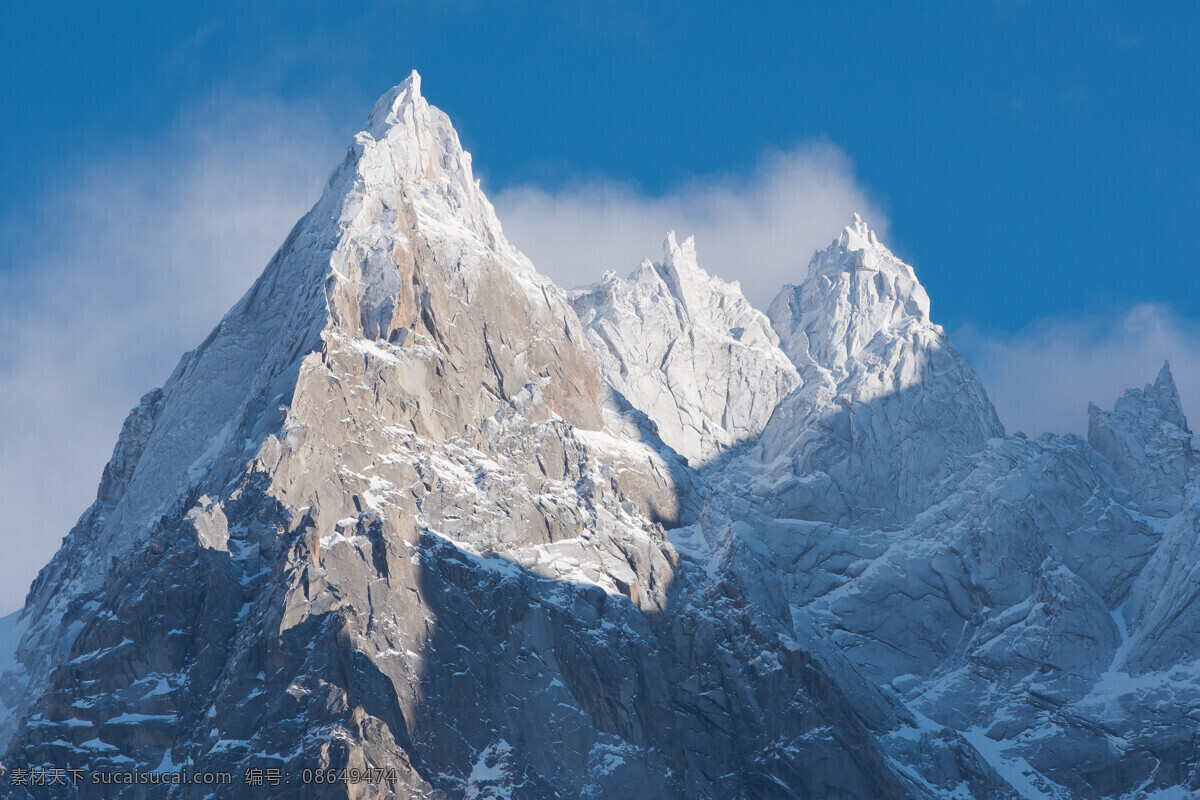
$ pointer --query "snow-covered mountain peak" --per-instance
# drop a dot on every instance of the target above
(687, 349)
(855, 290)
(418, 135)
(878, 376)
(671, 247)
(682, 271)
(858, 236)
(1158, 400)
(409, 151)
(392, 106)
(856, 249)
(1146, 439)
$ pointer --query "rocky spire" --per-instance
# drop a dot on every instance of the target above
(854, 290)
(406, 141)
(682, 272)
(858, 236)
(1156, 400)
(1146, 439)
(688, 350)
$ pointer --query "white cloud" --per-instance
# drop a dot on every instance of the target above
(1043, 378)
(760, 229)
(126, 267)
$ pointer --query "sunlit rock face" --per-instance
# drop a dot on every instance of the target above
(414, 512)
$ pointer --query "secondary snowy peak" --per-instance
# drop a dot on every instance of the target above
(854, 290)
(688, 350)
(857, 236)
(682, 272)
(709, 301)
(889, 407)
(1156, 401)
(1146, 439)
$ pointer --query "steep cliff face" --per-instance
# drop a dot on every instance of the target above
(413, 511)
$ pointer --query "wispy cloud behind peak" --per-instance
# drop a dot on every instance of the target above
(759, 228)
(127, 264)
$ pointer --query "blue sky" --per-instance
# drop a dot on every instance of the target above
(1033, 158)
(1036, 162)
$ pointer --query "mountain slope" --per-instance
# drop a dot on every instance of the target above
(1027, 599)
(389, 518)
(414, 513)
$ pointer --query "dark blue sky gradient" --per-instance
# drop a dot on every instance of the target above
(1035, 159)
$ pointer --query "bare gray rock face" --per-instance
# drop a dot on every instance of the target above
(415, 515)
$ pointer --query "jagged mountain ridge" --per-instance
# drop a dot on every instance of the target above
(439, 517)
(997, 584)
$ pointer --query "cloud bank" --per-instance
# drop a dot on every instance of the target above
(126, 266)
(1043, 378)
(760, 229)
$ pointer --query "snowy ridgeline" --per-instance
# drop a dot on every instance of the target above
(413, 507)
